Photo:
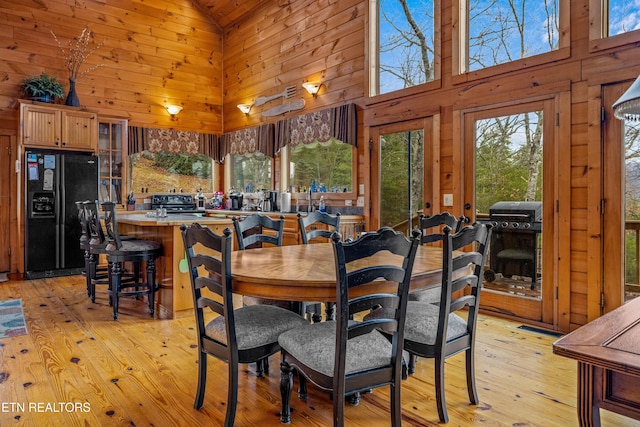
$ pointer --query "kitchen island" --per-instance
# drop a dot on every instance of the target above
(174, 294)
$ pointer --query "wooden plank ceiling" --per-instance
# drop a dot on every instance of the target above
(226, 12)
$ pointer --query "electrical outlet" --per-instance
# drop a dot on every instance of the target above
(448, 200)
(360, 201)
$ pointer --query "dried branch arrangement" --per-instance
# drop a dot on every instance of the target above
(77, 53)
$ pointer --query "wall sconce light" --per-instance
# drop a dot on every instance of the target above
(627, 107)
(245, 108)
(312, 88)
(173, 109)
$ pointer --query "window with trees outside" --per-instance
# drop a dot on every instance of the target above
(406, 48)
(622, 16)
(632, 207)
(508, 159)
(329, 164)
(501, 31)
(166, 171)
(251, 172)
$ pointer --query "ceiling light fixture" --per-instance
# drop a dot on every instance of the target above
(312, 87)
(173, 109)
(245, 108)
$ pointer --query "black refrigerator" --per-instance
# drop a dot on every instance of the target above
(55, 180)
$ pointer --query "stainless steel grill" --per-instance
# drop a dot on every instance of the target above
(514, 240)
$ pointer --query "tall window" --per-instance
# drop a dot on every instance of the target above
(329, 164)
(406, 44)
(501, 31)
(623, 16)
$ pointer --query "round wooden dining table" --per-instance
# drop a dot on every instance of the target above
(307, 272)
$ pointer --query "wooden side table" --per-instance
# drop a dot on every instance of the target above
(608, 354)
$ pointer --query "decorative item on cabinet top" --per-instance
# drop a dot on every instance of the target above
(43, 88)
(74, 56)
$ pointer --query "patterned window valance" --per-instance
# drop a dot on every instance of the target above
(340, 123)
(173, 141)
(247, 141)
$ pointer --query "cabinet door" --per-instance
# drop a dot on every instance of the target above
(79, 129)
(112, 137)
(40, 126)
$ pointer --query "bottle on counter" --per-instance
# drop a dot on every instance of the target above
(200, 200)
(131, 202)
(322, 207)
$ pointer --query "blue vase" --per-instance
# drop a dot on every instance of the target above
(72, 96)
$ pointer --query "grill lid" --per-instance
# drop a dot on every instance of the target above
(530, 211)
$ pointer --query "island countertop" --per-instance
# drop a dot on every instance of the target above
(174, 296)
(171, 220)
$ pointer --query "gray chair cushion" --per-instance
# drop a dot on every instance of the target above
(315, 346)
(256, 325)
(431, 295)
(421, 324)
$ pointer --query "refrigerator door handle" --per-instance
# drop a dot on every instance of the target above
(63, 211)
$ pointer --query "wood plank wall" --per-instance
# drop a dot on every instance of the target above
(285, 44)
(154, 53)
(161, 51)
(278, 45)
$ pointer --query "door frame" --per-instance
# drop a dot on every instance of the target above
(7, 211)
(556, 187)
(431, 192)
(610, 288)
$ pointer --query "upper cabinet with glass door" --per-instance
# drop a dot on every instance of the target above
(112, 137)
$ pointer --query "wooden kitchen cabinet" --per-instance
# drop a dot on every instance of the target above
(57, 126)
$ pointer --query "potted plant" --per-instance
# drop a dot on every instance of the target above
(43, 88)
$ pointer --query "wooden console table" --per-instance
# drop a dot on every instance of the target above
(608, 354)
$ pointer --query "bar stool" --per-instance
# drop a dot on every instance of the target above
(95, 247)
(84, 242)
(119, 251)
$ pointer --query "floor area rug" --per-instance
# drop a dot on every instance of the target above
(12, 322)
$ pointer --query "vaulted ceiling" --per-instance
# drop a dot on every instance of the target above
(226, 12)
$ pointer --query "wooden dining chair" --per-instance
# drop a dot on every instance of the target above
(347, 356)
(252, 232)
(444, 330)
(308, 225)
(118, 252)
(243, 335)
(431, 227)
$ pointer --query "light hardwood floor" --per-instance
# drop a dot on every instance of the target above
(142, 371)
